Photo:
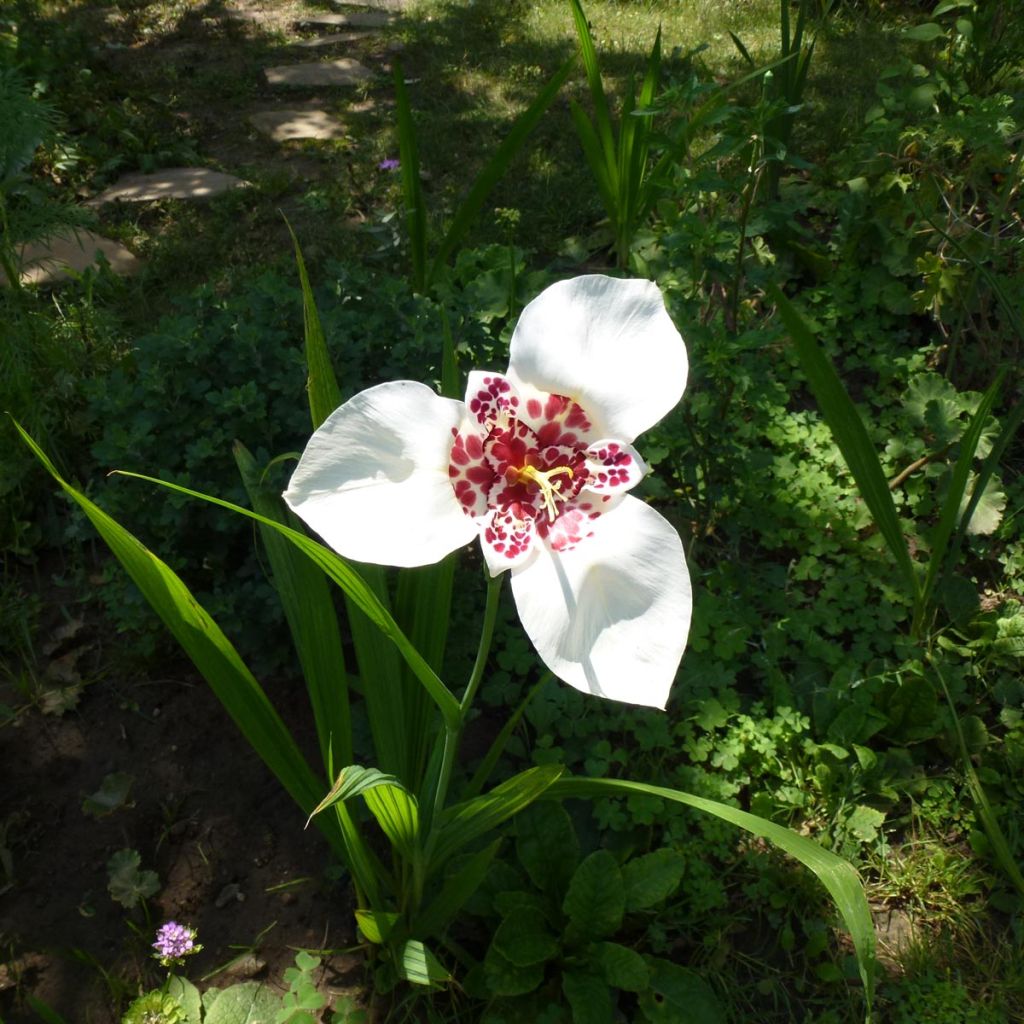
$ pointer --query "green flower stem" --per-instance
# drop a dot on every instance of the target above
(454, 732)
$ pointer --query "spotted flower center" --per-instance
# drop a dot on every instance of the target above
(533, 467)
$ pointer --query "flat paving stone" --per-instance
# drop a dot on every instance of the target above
(330, 40)
(307, 123)
(343, 71)
(170, 183)
(357, 19)
(377, 5)
(59, 257)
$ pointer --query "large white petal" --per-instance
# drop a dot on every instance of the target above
(373, 480)
(609, 345)
(610, 616)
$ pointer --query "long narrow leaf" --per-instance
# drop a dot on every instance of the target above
(850, 435)
(496, 168)
(454, 892)
(950, 513)
(1010, 427)
(606, 183)
(602, 115)
(309, 611)
(497, 747)
(986, 813)
(210, 650)
(464, 822)
(351, 583)
(838, 877)
(321, 384)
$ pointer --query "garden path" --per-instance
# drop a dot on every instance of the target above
(62, 256)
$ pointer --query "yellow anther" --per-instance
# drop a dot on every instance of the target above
(548, 489)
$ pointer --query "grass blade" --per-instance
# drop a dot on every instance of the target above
(839, 878)
(850, 435)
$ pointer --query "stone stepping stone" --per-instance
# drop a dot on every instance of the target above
(60, 257)
(170, 183)
(343, 71)
(319, 41)
(308, 123)
(357, 19)
(378, 5)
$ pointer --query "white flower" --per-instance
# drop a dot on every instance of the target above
(536, 463)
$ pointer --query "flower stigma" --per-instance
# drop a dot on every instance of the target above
(542, 479)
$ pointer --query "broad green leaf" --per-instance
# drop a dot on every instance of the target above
(249, 1002)
(127, 882)
(417, 964)
(458, 887)
(210, 651)
(621, 967)
(112, 794)
(464, 822)
(678, 995)
(864, 822)
(504, 978)
(376, 925)
(312, 619)
(651, 878)
(186, 995)
(547, 847)
(988, 509)
(321, 385)
(596, 899)
(924, 33)
(588, 996)
(523, 939)
(850, 435)
(838, 877)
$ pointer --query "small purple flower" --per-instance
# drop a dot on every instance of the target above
(388, 165)
(174, 942)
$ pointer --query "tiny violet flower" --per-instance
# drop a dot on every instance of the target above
(388, 165)
(174, 942)
(536, 463)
